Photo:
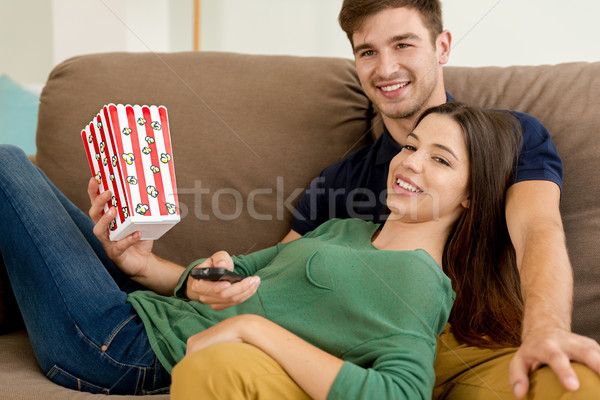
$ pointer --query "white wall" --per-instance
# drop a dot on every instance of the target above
(37, 34)
(82, 27)
(522, 32)
(299, 27)
(26, 40)
(485, 32)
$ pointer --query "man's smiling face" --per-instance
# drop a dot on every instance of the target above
(398, 64)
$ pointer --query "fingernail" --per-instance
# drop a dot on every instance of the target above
(572, 383)
(517, 389)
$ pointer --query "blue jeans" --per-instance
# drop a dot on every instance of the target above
(72, 297)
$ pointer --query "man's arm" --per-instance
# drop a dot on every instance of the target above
(536, 230)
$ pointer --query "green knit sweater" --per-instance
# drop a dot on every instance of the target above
(379, 311)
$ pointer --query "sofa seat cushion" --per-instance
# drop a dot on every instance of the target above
(22, 378)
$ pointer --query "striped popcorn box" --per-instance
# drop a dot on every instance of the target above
(129, 152)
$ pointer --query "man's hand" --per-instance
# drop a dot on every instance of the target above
(555, 348)
(221, 295)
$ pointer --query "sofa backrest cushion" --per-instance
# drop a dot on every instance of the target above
(248, 132)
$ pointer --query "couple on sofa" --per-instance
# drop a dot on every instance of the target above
(94, 324)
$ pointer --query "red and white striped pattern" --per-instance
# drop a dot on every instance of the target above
(129, 151)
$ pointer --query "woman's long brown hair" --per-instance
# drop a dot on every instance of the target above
(479, 257)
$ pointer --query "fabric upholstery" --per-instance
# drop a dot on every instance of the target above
(239, 124)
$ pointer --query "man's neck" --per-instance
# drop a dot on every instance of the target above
(399, 128)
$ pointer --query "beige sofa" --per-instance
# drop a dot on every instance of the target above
(249, 132)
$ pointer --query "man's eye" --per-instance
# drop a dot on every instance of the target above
(402, 46)
(367, 53)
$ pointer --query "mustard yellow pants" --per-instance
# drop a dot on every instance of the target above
(232, 371)
(241, 371)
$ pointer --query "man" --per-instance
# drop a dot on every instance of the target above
(400, 49)
(399, 53)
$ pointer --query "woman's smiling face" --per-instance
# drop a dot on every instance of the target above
(428, 179)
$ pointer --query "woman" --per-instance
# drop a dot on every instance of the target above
(432, 162)
(352, 309)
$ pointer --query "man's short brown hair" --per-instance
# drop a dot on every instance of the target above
(354, 13)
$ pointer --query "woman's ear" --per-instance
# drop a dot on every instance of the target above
(466, 203)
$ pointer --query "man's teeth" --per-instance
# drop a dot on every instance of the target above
(407, 186)
(393, 87)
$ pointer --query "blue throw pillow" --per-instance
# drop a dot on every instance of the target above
(18, 115)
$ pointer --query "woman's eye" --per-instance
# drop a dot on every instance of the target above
(409, 147)
(441, 161)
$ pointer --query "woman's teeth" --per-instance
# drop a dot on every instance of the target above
(407, 186)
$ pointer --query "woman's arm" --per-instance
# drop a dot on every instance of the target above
(399, 367)
(131, 255)
(134, 258)
(313, 369)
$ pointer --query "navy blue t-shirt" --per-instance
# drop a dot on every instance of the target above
(356, 186)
